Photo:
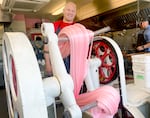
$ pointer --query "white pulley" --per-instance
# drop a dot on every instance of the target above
(23, 81)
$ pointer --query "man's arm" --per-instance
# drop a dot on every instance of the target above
(48, 68)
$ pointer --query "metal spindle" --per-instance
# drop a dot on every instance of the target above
(100, 31)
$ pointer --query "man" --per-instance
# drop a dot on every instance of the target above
(145, 25)
(69, 13)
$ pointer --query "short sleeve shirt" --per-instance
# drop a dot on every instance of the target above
(59, 25)
(147, 37)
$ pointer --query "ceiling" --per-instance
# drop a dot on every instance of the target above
(85, 8)
(125, 17)
(45, 12)
(96, 14)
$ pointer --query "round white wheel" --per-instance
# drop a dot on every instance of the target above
(23, 81)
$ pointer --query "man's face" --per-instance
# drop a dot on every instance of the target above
(141, 25)
(144, 24)
(69, 12)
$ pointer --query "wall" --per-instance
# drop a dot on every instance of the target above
(23, 24)
(18, 24)
(30, 23)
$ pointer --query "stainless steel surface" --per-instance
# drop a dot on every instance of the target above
(124, 17)
(88, 106)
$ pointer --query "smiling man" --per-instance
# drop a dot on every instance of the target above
(69, 13)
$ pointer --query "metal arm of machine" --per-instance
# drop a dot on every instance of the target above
(92, 82)
(92, 78)
(59, 71)
(100, 31)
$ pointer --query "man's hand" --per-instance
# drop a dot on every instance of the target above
(140, 48)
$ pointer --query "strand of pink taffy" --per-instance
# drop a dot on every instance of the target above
(107, 97)
(79, 42)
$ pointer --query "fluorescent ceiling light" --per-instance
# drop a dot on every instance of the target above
(58, 11)
(1, 1)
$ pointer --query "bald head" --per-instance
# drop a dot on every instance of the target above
(72, 4)
(69, 12)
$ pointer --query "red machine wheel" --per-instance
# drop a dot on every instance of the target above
(108, 70)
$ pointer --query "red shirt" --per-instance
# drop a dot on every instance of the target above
(60, 24)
